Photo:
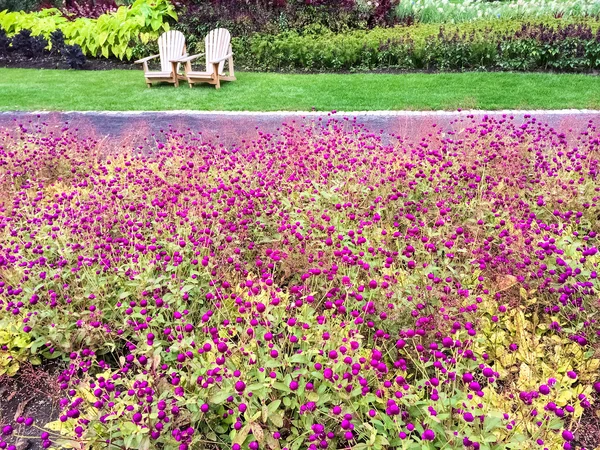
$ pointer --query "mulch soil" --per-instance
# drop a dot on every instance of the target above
(587, 434)
(33, 392)
(13, 60)
(48, 61)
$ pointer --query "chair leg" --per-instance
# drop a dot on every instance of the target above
(149, 85)
(175, 73)
(231, 72)
(216, 75)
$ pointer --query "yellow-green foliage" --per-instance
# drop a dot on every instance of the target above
(112, 34)
(15, 345)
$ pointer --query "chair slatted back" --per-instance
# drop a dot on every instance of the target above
(171, 45)
(217, 44)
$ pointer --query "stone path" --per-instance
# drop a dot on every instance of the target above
(230, 127)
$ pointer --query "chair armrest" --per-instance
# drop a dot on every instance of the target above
(146, 59)
(187, 58)
(223, 58)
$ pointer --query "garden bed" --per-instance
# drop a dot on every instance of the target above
(32, 392)
(317, 285)
(57, 62)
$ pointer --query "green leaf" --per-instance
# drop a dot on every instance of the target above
(281, 386)
(312, 396)
(220, 397)
(265, 413)
(240, 436)
(296, 445)
(273, 406)
(255, 387)
(35, 345)
(277, 419)
(491, 422)
(298, 359)
(156, 24)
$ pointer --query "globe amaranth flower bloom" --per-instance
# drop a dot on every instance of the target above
(428, 435)
(567, 435)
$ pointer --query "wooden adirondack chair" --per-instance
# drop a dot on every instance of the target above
(171, 45)
(217, 45)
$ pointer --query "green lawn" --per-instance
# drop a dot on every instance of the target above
(26, 89)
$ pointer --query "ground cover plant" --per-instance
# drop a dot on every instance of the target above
(318, 288)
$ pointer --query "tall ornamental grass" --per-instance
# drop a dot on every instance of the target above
(457, 11)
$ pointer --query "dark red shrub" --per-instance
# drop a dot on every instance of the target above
(88, 8)
(246, 17)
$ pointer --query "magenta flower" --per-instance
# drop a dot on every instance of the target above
(428, 435)
(567, 435)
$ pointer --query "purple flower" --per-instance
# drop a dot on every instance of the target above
(222, 347)
(428, 435)
(567, 435)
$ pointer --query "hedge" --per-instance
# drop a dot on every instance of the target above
(548, 44)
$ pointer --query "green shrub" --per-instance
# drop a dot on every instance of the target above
(111, 35)
(19, 5)
(548, 44)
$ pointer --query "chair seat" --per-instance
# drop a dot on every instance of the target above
(195, 74)
(157, 74)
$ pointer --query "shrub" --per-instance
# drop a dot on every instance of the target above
(318, 286)
(4, 42)
(74, 57)
(89, 9)
(57, 41)
(111, 35)
(547, 45)
(28, 45)
(19, 5)
(25, 44)
(244, 18)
